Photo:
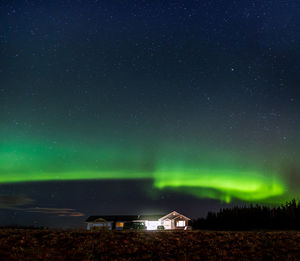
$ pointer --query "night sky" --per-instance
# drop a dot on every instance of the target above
(131, 107)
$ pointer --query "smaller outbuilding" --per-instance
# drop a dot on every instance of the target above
(171, 221)
(108, 222)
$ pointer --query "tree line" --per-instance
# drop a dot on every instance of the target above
(284, 217)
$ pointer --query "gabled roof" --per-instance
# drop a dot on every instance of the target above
(174, 215)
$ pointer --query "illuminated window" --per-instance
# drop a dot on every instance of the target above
(120, 224)
(181, 223)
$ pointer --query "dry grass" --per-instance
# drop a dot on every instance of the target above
(26, 244)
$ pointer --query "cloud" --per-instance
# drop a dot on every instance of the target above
(8, 201)
(77, 214)
(19, 203)
(69, 212)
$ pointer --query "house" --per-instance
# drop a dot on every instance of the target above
(173, 220)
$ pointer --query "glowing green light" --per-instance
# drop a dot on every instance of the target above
(212, 176)
(80, 175)
(244, 185)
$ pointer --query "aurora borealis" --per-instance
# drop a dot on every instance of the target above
(25, 162)
(126, 106)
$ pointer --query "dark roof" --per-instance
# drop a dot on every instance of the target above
(150, 217)
(113, 218)
(124, 218)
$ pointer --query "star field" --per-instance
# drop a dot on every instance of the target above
(172, 100)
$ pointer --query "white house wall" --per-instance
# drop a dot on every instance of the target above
(167, 224)
(152, 225)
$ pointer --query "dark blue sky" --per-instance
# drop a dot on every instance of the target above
(80, 80)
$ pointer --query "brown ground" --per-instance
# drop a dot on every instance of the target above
(26, 244)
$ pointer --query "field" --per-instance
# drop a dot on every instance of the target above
(32, 244)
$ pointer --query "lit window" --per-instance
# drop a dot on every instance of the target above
(181, 223)
(120, 224)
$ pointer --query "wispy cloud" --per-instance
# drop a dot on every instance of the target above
(56, 211)
(8, 201)
(20, 202)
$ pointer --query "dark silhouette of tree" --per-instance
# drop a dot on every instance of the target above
(284, 217)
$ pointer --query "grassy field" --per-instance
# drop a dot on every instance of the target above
(26, 244)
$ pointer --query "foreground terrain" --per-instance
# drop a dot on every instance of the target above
(26, 244)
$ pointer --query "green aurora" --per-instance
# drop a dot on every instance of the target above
(204, 176)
